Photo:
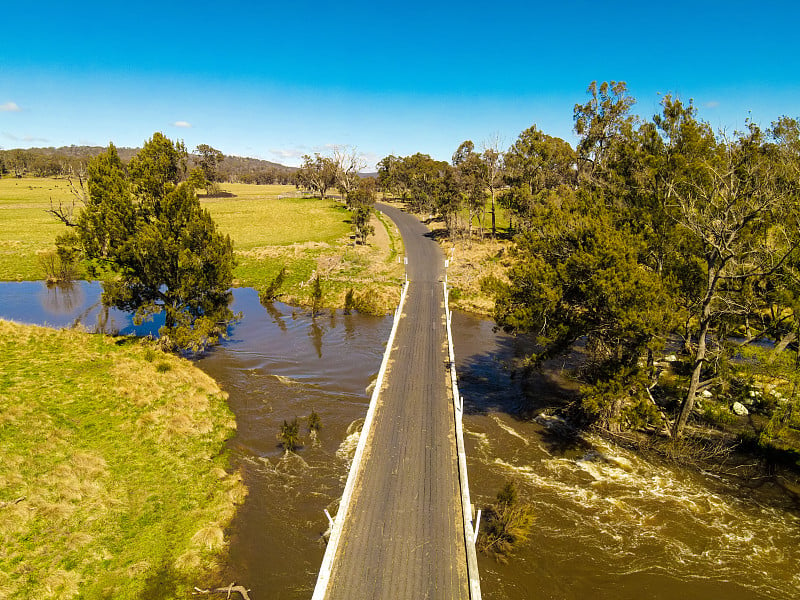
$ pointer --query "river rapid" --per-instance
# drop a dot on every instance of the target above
(609, 523)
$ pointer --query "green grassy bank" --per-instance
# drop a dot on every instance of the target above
(307, 236)
(113, 480)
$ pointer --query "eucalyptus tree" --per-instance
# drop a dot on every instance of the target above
(535, 165)
(209, 161)
(492, 161)
(601, 123)
(349, 163)
(739, 217)
(317, 173)
(471, 183)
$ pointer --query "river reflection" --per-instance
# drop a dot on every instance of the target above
(610, 524)
(67, 305)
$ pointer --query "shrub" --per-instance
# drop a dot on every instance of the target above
(290, 435)
(314, 421)
(508, 523)
(58, 267)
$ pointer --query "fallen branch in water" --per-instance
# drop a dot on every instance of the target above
(226, 590)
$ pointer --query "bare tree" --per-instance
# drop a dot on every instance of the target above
(349, 163)
(493, 167)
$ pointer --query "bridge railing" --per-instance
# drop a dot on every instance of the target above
(470, 526)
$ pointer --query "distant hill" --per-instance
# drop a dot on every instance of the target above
(71, 160)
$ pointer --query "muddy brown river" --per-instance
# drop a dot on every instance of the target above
(609, 524)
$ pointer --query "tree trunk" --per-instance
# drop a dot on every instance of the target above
(494, 229)
(702, 350)
(688, 402)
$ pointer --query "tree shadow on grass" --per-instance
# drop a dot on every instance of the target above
(163, 584)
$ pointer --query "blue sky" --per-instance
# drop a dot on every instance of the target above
(278, 80)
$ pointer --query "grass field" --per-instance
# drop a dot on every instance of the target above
(113, 481)
(26, 230)
(304, 235)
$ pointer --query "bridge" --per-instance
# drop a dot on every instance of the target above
(404, 529)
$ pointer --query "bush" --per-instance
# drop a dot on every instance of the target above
(508, 524)
(290, 435)
(716, 414)
(314, 421)
(58, 267)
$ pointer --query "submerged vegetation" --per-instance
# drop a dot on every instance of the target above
(508, 523)
(114, 480)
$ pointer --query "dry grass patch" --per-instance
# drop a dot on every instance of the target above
(111, 468)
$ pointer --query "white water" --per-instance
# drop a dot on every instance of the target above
(635, 517)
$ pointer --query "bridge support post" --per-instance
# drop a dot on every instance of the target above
(477, 526)
(330, 519)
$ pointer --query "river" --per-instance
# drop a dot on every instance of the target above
(609, 524)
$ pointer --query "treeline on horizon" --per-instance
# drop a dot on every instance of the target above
(667, 251)
(71, 161)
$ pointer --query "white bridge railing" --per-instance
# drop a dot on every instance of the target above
(470, 527)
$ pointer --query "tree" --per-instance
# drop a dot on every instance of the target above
(289, 435)
(317, 174)
(535, 165)
(470, 180)
(492, 159)
(739, 217)
(601, 123)
(210, 158)
(360, 201)
(145, 234)
(348, 166)
(577, 277)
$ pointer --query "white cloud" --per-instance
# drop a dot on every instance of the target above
(712, 104)
(10, 107)
(25, 138)
(284, 153)
(184, 124)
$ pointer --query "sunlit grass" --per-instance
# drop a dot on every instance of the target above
(113, 472)
(269, 232)
(26, 230)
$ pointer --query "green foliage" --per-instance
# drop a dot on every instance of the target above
(317, 174)
(619, 401)
(577, 276)
(59, 267)
(717, 414)
(145, 233)
(290, 435)
(506, 524)
(314, 421)
(210, 158)
(535, 166)
(454, 295)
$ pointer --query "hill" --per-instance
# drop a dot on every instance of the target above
(71, 160)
